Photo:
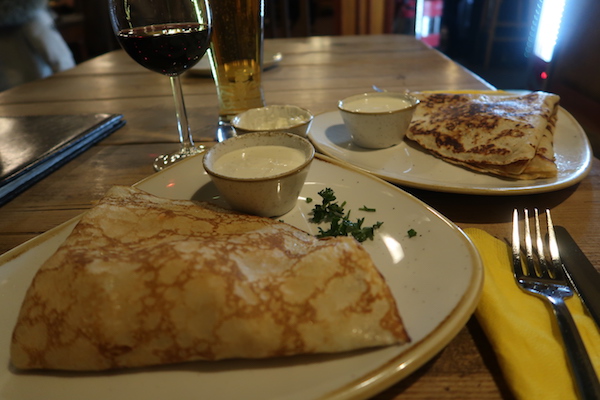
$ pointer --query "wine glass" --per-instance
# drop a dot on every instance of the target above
(168, 37)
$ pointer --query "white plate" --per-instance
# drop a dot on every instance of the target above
(436, 278)
(408, 164)
(203, 67)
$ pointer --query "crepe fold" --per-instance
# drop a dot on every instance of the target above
(145, 281)
(506, 135)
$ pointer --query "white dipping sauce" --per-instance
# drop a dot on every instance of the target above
(258, 161)
(272, 123)
(376, 104)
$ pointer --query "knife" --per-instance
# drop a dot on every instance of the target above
(584, 277)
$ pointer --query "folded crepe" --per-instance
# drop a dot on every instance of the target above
(506, 135)
(144, 281)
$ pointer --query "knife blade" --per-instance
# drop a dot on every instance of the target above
(582, 274)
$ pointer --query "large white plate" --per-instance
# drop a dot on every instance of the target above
(202, 68)
(436, 278)
(408, 164)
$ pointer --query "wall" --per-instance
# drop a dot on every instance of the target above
(575, 73)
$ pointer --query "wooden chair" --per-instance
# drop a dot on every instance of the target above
(362, 17)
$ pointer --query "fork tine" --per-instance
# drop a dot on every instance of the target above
(529, 255)
(516, 246)
(539, 242)
(543, 270)
(557, 270)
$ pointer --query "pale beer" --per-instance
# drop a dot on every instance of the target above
(236, 55)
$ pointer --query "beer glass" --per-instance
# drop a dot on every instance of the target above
(236, 55)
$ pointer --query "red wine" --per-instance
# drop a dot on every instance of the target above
(168, 49)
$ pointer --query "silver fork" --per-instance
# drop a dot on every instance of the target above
(546, 279)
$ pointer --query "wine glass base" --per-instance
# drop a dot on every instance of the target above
(163, 161)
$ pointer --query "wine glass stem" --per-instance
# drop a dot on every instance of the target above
(183, 126)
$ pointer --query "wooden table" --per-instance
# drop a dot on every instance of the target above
(314, 73)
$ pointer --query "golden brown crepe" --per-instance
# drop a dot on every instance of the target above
(145, 281)
(506, 135)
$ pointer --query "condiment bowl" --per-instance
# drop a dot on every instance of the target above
(378, 120)
(282, 118)
(260, 173)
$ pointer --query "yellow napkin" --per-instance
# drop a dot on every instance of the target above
(522, 329)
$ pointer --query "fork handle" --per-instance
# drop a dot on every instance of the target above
(585, 377)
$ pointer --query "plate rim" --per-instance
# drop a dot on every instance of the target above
(496, 191)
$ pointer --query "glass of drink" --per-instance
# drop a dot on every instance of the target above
(168, 37)
(236, 54)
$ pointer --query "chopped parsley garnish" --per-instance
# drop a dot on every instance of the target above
(411, 233)
(332, 212)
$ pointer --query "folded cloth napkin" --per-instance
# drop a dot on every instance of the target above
(522, 328)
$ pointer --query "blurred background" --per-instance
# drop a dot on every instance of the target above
(550, 45)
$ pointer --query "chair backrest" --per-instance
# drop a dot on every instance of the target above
(362, 17)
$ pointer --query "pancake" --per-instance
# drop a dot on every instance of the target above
(505, 135)
(146, 281)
